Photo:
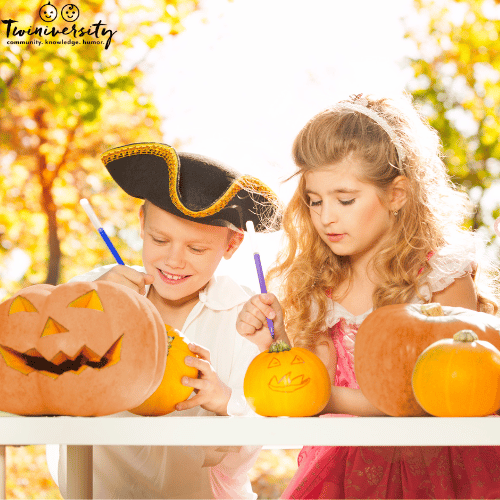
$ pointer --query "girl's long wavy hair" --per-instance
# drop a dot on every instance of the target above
(432, 216)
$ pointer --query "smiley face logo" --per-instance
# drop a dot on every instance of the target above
(70, 12)
(47, 12)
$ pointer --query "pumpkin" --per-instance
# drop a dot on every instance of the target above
(458, 377)
(87, 349)
(170, 391)
(286, 381)
(390, 340)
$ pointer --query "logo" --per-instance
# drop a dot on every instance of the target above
(47, 13)
(96, 34)
(70, 13)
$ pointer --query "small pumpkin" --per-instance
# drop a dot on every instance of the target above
(86, 348)
(170, 391)
(390, 340)
(458, 377)
(287, 381)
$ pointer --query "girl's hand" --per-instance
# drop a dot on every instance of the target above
(211, 393)
(252, 323)
(124, 275)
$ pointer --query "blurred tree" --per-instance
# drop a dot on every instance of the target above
(457, 69)
(61, 105)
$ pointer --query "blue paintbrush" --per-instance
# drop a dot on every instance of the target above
(93, 218)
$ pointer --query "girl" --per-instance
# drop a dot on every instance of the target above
(375, 220)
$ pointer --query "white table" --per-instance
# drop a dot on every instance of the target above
(80, 433)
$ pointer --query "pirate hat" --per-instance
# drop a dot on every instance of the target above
(193, 187)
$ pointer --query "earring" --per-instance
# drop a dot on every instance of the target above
(395, 213)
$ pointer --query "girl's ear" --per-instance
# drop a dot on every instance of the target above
(398, 192)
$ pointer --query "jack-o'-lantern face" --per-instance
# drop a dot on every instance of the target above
(286, 381)
(289, 382)
(79, 349)
(32, 360)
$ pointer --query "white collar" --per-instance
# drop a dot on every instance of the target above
(222, 293)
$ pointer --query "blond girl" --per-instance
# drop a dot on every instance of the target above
(375, 220)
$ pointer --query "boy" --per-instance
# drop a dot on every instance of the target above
(192, 217)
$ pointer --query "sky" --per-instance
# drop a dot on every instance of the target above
(244, 77)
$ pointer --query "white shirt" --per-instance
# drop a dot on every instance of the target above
(179, 471)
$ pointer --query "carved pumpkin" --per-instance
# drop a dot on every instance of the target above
(458, 377)
(92, 348)
(286, 381)
(391, 338)
(171, 391)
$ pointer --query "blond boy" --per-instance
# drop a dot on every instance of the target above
(193, 215)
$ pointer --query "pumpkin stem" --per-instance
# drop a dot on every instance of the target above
(432, 309)
(465, 336)
(279, 346)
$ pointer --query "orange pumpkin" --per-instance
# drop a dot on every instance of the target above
(171, 391)
(286, 381)
(91, 348)
(458, 377)
(390, 340)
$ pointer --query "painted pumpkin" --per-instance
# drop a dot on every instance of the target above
(88, 349)
(390, 340)
(170, 391)
(286, 381)
(458, 377)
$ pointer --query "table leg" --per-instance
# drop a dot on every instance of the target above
(3, 466)
(80, 479)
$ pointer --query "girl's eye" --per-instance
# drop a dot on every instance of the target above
(316, 203)
(347, 202)
(197, 250)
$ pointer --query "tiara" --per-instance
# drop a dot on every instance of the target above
(361, 106)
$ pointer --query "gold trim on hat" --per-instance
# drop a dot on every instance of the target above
(168, 153)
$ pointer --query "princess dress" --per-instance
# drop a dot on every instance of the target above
(389, 471)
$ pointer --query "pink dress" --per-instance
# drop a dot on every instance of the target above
(389, 471)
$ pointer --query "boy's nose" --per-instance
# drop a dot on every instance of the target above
(174, 258)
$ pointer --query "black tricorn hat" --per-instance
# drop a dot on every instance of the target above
(193, 187)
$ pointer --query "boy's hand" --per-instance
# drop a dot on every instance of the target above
(252, 324)
(211, 393)
(127, 276)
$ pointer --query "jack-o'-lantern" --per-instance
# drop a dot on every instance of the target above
(171, 391)
(286, 381)
(390, 340)
(88, 349)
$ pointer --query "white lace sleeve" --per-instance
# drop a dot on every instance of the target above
(331, 315)
(449, 264)
(335, 312)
